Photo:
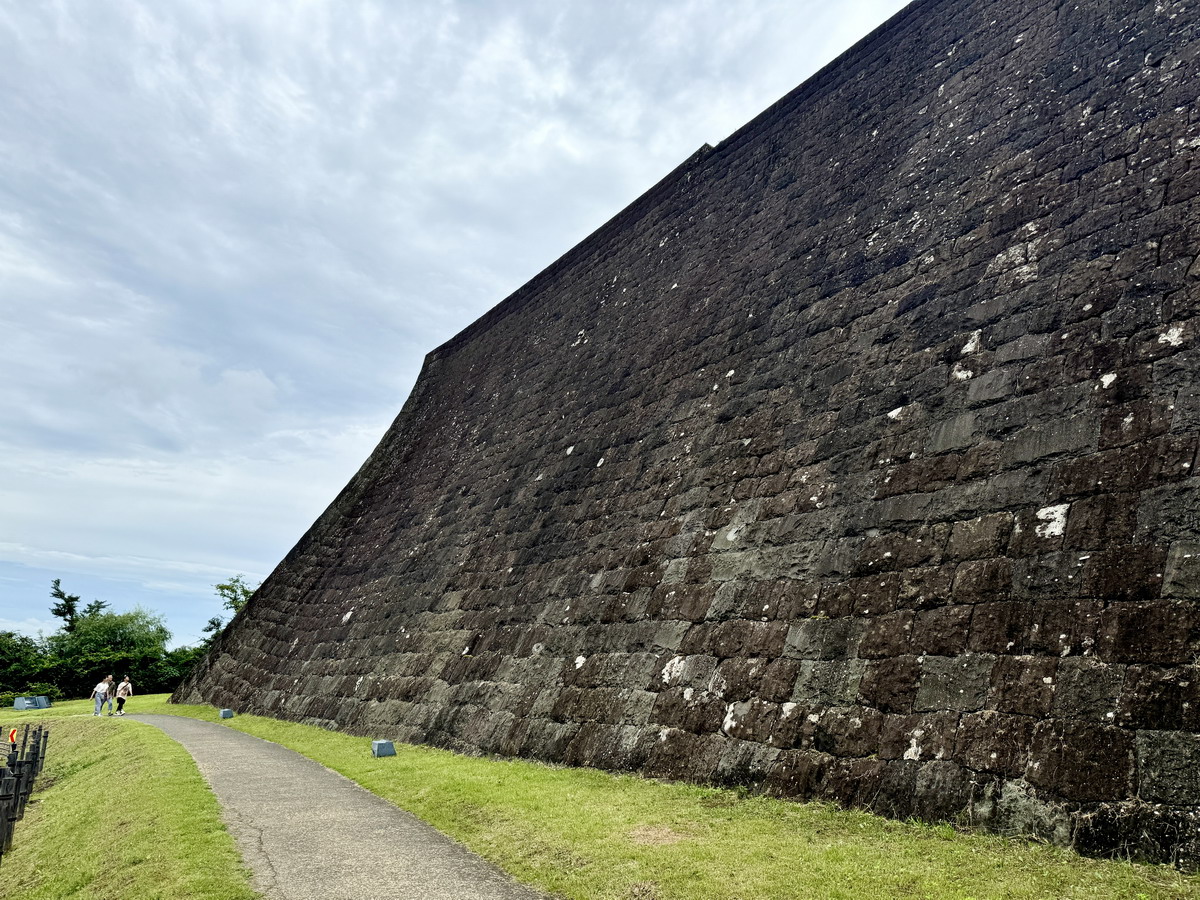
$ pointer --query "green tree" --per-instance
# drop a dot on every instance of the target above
(67, 607)
(105, 643)
(22, 660)
(235, 594)
(95, 608)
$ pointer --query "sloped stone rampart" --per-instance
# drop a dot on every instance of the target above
(855, 460)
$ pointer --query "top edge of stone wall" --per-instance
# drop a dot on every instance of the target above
(828, 77)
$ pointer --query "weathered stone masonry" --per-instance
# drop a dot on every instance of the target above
(855, 460)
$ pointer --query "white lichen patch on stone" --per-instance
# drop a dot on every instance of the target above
(672, 670)
(570, 450)
(687, 694)
(1027, 273)
(600, 463)
(579, 661)
(730, 720)
(1054, 520)
(973, 343)
(729, 374)
(914, 747)
(895, 413)
(788, 709)
(1172, 336)
(961, 373)
(346, 617)
(1106, 381)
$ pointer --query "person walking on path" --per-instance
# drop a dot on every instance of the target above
(124, 692)
(100, 694)
(111, 690)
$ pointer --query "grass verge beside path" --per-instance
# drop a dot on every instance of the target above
(584, 834)
(119, 812)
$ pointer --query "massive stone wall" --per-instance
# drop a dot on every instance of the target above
(854, 460)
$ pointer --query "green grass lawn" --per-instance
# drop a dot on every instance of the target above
(581, 833)
(118, 813)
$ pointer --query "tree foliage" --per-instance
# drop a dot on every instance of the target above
(22, 659)
(96, 642)
(67, 607)
(235, 594)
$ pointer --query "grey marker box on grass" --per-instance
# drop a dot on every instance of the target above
(383, 748)
(227, 714)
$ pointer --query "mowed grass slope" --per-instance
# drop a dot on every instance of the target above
(585, 834)
(120, 812)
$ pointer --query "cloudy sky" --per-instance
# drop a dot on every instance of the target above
(230, 231)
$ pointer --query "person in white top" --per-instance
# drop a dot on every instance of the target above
(100, 693)
(124, 692)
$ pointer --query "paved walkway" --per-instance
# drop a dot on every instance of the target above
(308, 833)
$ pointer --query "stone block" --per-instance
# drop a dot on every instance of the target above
(942, 790)
(798, 774)
(832, 682)
(890, 684)
(1088, 689)
(981, 538)
(995, 742)
(954, 434)
(1073, 435)
(942, 631)
(1181, 578)
(1159, 698)
(1134, 422)
(999, 627)
(1168, 765)
(1097, 522)
(689, 709)
(1062, 626)
(822, 638)
(1159, 632)
(1081, 762)
(744, 764)
(847, 732)
(924, 737)
(750, 720)
(887, 635)
(383, 748)
(1024, 685)
(954, 683)
(1125, 572)
(982, 580)
(999, 384)
(926, 587)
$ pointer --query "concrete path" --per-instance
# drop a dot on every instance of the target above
(308, 833)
